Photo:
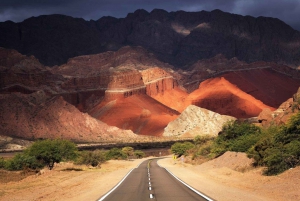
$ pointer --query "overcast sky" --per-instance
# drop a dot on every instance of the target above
(18, 10)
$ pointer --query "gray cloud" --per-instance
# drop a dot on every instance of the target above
(18, 10)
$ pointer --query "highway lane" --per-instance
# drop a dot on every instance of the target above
(151, 182)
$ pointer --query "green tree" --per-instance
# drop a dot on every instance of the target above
(22, 161)
(48, 152)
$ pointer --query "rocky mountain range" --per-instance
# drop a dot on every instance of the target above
(149, 74)
(179, 38)
(132, 91)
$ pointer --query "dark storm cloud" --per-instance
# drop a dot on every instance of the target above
(18, 10)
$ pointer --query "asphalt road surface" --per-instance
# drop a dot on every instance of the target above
(151, 182)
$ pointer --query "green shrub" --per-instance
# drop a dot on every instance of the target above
(2, 162)
(23, 161)
(235, 129)
(235, 136)
(279, 149)
(49, 151)
(139, 154)
(199, 140)
(181, 148)
(93, 158)
(115, 153)
(202, 151)
(129, 151)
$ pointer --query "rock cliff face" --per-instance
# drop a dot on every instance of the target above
(282, 114)
(195, 121)
(126, 72)
(179, 38)
(157, 81)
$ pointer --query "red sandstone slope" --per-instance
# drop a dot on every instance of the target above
(267, 85)
(139, 113)
(173, 98)
(37, 116)
(219, 95)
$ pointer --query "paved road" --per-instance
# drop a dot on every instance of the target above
(151, 182)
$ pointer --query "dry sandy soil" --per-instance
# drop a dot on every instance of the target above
(229, 177)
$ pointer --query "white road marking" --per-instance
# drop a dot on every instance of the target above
(102, 198)
(197, 192)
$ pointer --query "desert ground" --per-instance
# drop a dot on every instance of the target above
(229, 177)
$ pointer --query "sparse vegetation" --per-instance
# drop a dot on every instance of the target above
(115, 153)
(181, 148)
(277, 147)
(23, 161)
(235, 136)
(129, 151)
(139, 154)
(279, 150)
(48, 152)
(93, 158)
(42, 153)
(2, 162)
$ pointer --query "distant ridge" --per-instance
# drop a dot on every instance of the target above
(178, 38)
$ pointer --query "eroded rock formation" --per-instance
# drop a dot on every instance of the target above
(39, 116)
(129, 89)
(195, 121)
(139, 113)
(282, 114)
(219, 95)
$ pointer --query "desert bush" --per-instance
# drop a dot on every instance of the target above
(181, 148)
(115, 153)
(2, 162)
(202, 151)
(48, 152)
(129, 151)
(139, 154)
(235, 129)
(199, 140)
(235, 136)
(279, 149)
(93, 158)
(22, 161)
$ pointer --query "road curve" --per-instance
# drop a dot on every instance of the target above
(151, 182)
